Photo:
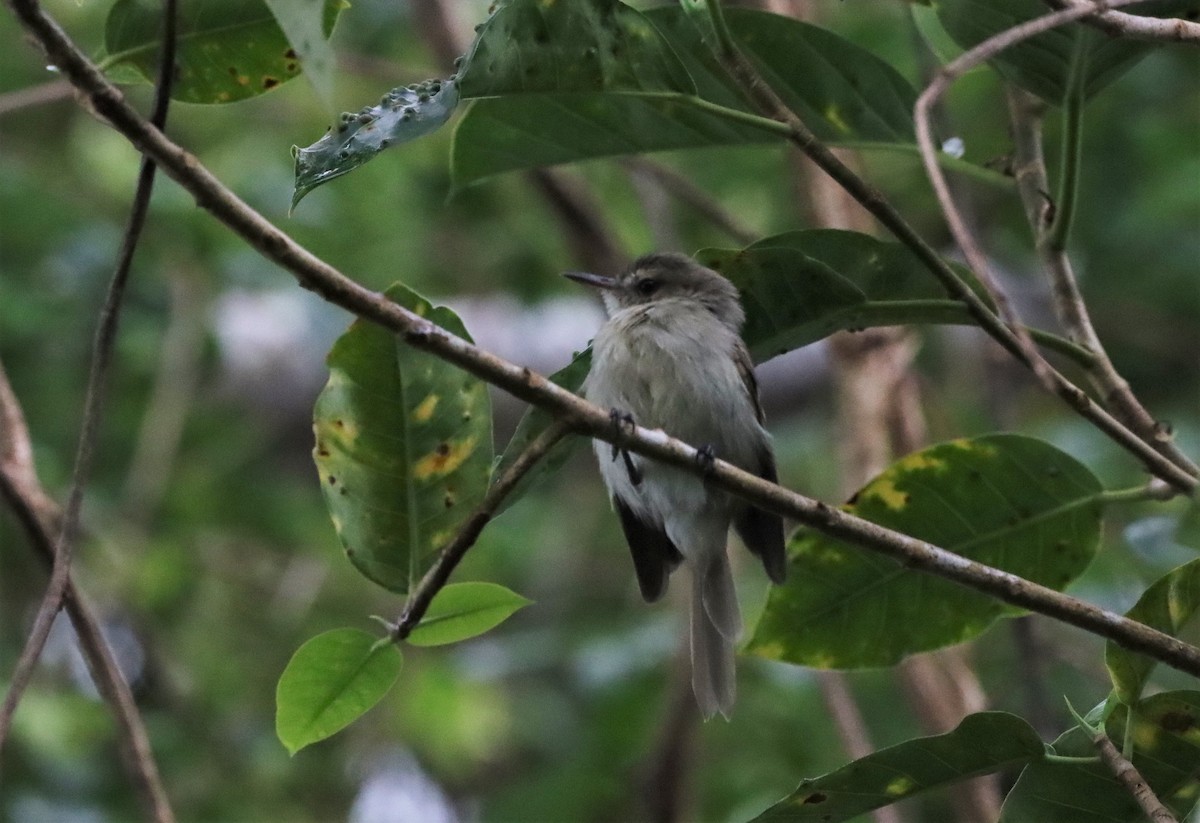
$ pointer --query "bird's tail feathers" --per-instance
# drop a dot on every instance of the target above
(720, 597)
(716, 623)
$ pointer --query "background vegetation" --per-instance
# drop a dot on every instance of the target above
(210, 555)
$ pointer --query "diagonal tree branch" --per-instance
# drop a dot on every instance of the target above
(1136, 26)
(40, 518)
(1014, 338)
(439, 573)
(582, 417)
(102, 352)
(1030, 171)
(1174, 468)
(1129, 777)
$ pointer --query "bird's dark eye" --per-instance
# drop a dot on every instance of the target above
(647, 286)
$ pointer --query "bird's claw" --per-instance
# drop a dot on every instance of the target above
(622, 421)
(706, 457)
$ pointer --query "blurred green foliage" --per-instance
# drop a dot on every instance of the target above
(230, 562)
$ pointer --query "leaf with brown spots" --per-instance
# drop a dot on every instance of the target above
(1009, 501)
(403, 446)
(226, 50)
(981, 744)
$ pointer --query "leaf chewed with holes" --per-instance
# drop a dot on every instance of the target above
(403, 114)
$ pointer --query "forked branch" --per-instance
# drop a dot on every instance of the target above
(582, 417)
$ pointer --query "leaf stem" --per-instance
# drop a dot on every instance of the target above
(1072, 150)
(721, 28)
(1156, 490)
(1131, 427)
(574, 413)
(775, 127)
(954, 312)
(1025, 113)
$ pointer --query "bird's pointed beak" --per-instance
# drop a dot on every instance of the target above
(598, 281)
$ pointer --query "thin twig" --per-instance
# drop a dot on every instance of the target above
(1129, 777)
(1016, 341)
(175, 383)
(40, 517)
(583, 417)
(1136, 26)
(102, 351)
(693, 196)
(454, 551)
(37, 95)
(1181, 475)
(1056, 236)
(1025, 114)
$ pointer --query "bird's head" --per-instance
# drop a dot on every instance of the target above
(655, 278)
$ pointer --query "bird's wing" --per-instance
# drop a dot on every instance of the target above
(745, 367)
(654, 555)
(761, 531)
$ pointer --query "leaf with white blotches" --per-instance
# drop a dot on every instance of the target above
(403, 114)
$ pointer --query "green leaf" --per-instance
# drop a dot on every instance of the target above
(533, 423)
(581, 46)
(303, 23)
(801, 286)
(1166, 735)
(464, 610)
(226, 50)
(1009, 501)
(1042, 64)
(844, 93)
(525, 46)
(982, 743)
(1168, 605)
(329, 683)
(405, 113)
(403, 446)
(1187, 533)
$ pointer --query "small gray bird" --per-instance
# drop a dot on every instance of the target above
(671, 356)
